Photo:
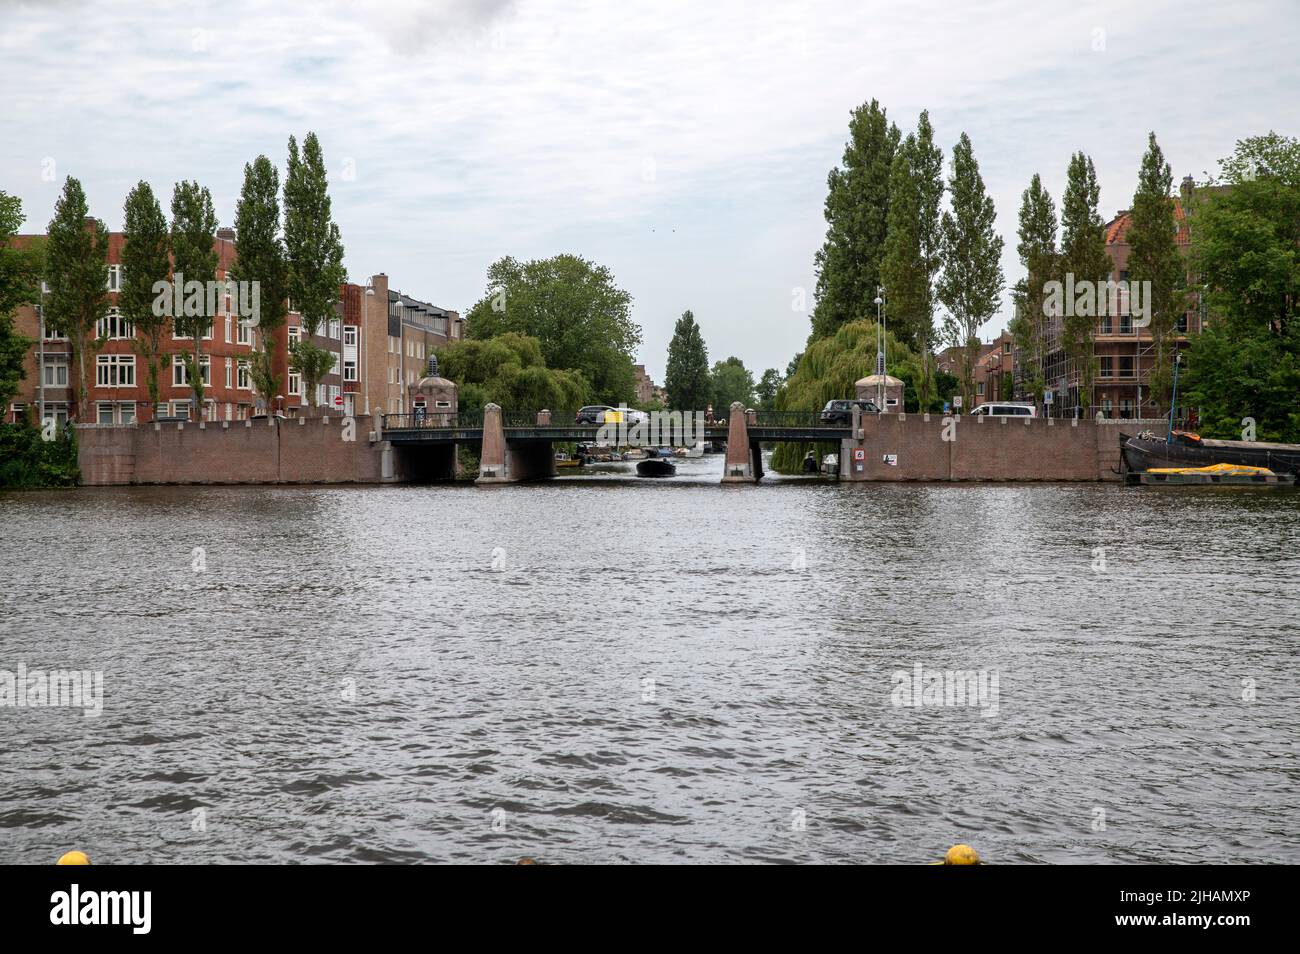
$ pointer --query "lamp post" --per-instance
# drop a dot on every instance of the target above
(880, 348)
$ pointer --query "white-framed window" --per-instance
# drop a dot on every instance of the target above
(230, 370)
(391, 369)
(419, 350)
(338, 362)
(349, 371)
(115, 370)
(104, 413)
(17, 412)
(53, 334)
(113, 326)
(350, 335)
(295, 333)
(56, 371)
(243, 378)
(56, 411)
(295, 383)
(334, 392)
(229, 321)
(126, 412)
(334, 327)
(244, 334)
(114, 283)
(320, 394)
(180, 379)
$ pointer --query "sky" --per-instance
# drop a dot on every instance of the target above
(684, 145)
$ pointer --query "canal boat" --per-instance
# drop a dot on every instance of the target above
(1147, 451)
(656, 467)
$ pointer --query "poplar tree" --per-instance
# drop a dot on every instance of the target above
(971, 285)
(19, 283)
(1153, 257)
(857, 209)
(314, 253)
(1037, 250)
(194, 256)
(146, 260)
(686, 379)
(927, 171)
(76, 269)
(1083, 255)
(260, 258)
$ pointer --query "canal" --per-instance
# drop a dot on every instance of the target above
(605, 669)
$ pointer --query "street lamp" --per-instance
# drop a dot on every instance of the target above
(880, 348)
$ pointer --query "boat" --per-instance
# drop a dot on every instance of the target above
(1147, 451)
(656, 467)
(1221, 474)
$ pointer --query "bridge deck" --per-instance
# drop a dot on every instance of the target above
(582, 433)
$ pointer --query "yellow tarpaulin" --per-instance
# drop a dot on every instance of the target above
(1227, 470)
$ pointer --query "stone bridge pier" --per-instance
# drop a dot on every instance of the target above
(744, 457)
(502, 461)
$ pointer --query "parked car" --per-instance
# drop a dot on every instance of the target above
(1005, 409)
(841, 412)
(596, 414)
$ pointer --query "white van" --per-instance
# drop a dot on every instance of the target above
(1005, 409)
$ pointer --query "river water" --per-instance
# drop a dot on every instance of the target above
(609, 669)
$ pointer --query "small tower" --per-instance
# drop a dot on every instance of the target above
(434, 397)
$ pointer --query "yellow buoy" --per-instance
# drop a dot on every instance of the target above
(961, 855)
(74, 858)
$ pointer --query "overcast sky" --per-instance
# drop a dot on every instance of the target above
(683, 144)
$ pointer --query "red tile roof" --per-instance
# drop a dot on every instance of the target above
(1117, 228)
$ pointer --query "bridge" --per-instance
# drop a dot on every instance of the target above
(518, 446)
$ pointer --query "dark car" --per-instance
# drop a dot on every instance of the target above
(593, 414)
(841, 412)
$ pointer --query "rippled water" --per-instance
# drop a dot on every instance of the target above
(645, 676)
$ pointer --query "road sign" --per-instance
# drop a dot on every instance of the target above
(338, 400)
(859, 454)
(1047, 397)
(956, 402)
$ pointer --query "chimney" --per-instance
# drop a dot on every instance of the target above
(1186, 188)
(226, 233)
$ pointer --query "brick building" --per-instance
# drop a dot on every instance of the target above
(380, 339)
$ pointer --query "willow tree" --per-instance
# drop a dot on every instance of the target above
(76, 270)
(1083, 256)
(314, 252)
(971, 285)
(1153, 257)
(194, 257)
(146, 261)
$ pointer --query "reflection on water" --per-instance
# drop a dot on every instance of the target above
(611, 669)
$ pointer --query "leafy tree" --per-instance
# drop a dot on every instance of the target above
(574, 308)
(828, 371)
(146, 260)
(686, 379)
(1083, 255)
(793, 366)
(260, 258)
(510, 370)
(1153, 257)
(1037, 251)
(729, 382)
(1246, 249)
(19, 284)
(76, 270)
(194, 257)
(971, 285)
(857, 211)
(314, 255)
(768, 385)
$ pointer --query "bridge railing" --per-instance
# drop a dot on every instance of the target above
(790, 419)
(433, 420)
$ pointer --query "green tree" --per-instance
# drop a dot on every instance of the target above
(574, 308)
(509, 369)
(857, 214)
(314, 255)
(146, 260)
(1153, 257)
(20, 270)
(971, 285)
(729, 382)
(1083, 255)
(194, 258)
(260, 259)
(1246, 249)
(76, 270)
(686, 379)
(768, 385)
(1037, 250)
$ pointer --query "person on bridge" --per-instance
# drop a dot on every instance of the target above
(708, 415)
